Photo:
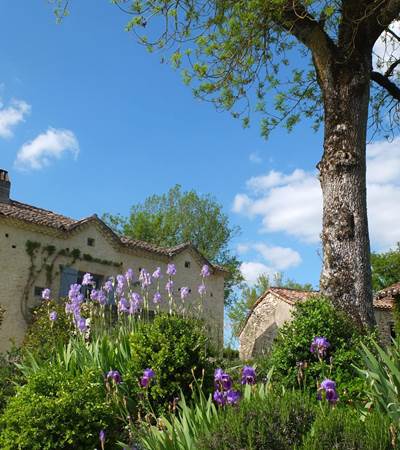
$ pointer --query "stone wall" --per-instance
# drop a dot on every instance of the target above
(15, 266)
(269, 315)
(262, 326)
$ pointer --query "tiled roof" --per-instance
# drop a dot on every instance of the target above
(384, 299)
(39, 216)
(292, 296)
(46, 218)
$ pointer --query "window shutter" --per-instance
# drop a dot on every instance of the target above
(68, 276)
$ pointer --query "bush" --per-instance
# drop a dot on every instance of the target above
(9, 375)
(317, 317)
(274, 422)
(56, 410)
(43, 335)
(343, 429)
(175, 348)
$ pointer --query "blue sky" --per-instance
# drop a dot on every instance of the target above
(125, 127)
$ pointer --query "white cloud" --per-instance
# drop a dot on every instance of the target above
(252, 270)
(292, 203)
(255, 158)
(52, 144)
(281, 258)
(11, 116)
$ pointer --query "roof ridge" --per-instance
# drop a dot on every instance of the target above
(17, 203)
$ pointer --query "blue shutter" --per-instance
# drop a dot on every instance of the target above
(68, 276)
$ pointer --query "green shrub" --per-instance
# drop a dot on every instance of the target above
(175, 348)
(317, 317)
(56, 410)
(9, 375)
(43, 335)
(343, 429)
(273, 422)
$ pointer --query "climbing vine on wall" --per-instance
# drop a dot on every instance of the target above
(43, 258)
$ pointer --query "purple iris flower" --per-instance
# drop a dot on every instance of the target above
(205, 271)
(157, 273)
(232, 397)
(101, 297)
(184, 292)
(102, 438)
(219, 398)
(94, 295)
(120, 280)
(148, 375)
(320, 346)
(129, 275)
(53, 316)
(157, 298)
(87, 279)
(169, 287)
(82, 324)
(123, 305)
(108, 286)
(201, 289)
(248, 375)
(74, 291)
(171, 270)
(329, 387)
(222, 379)
(46, 294)
(145, 278)
(115, 376)
(135, 303)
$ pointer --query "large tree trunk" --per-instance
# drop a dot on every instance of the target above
(346, 273)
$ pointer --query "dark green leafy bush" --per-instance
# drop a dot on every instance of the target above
(343, 429)
(317, 317)
(175, 348)
(57, 410)
(9, 375)
(276, 422)
(43, 335)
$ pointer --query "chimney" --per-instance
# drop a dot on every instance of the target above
(4, 187)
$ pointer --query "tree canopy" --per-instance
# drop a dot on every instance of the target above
(184, 216)
(385, 268)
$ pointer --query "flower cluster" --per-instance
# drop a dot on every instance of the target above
(320, 346)
(328, 387)
(248, 375)
(145, 380)
(224, 394)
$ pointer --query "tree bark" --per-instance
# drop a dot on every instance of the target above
(346, 273)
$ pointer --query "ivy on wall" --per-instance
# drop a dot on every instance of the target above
(43, 258)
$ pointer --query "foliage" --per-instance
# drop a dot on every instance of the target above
(175, 348)
(294, 364)
(273, 421)
(385, 268)
(10, 375)
(44, 335)
(183, 216)
(381, 370)
(343, 429)
(57, 410)
(249, 294)
(182, 430)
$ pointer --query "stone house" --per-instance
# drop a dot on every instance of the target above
(274, 307)
(42, 249)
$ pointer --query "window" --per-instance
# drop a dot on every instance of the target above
(90, 242)
(98, 280)
(38, 291)
(187, 264)
(14, 246)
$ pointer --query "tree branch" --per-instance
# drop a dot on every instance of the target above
(310, 32)
(391, 68)
(387, 84)
(381, 15)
